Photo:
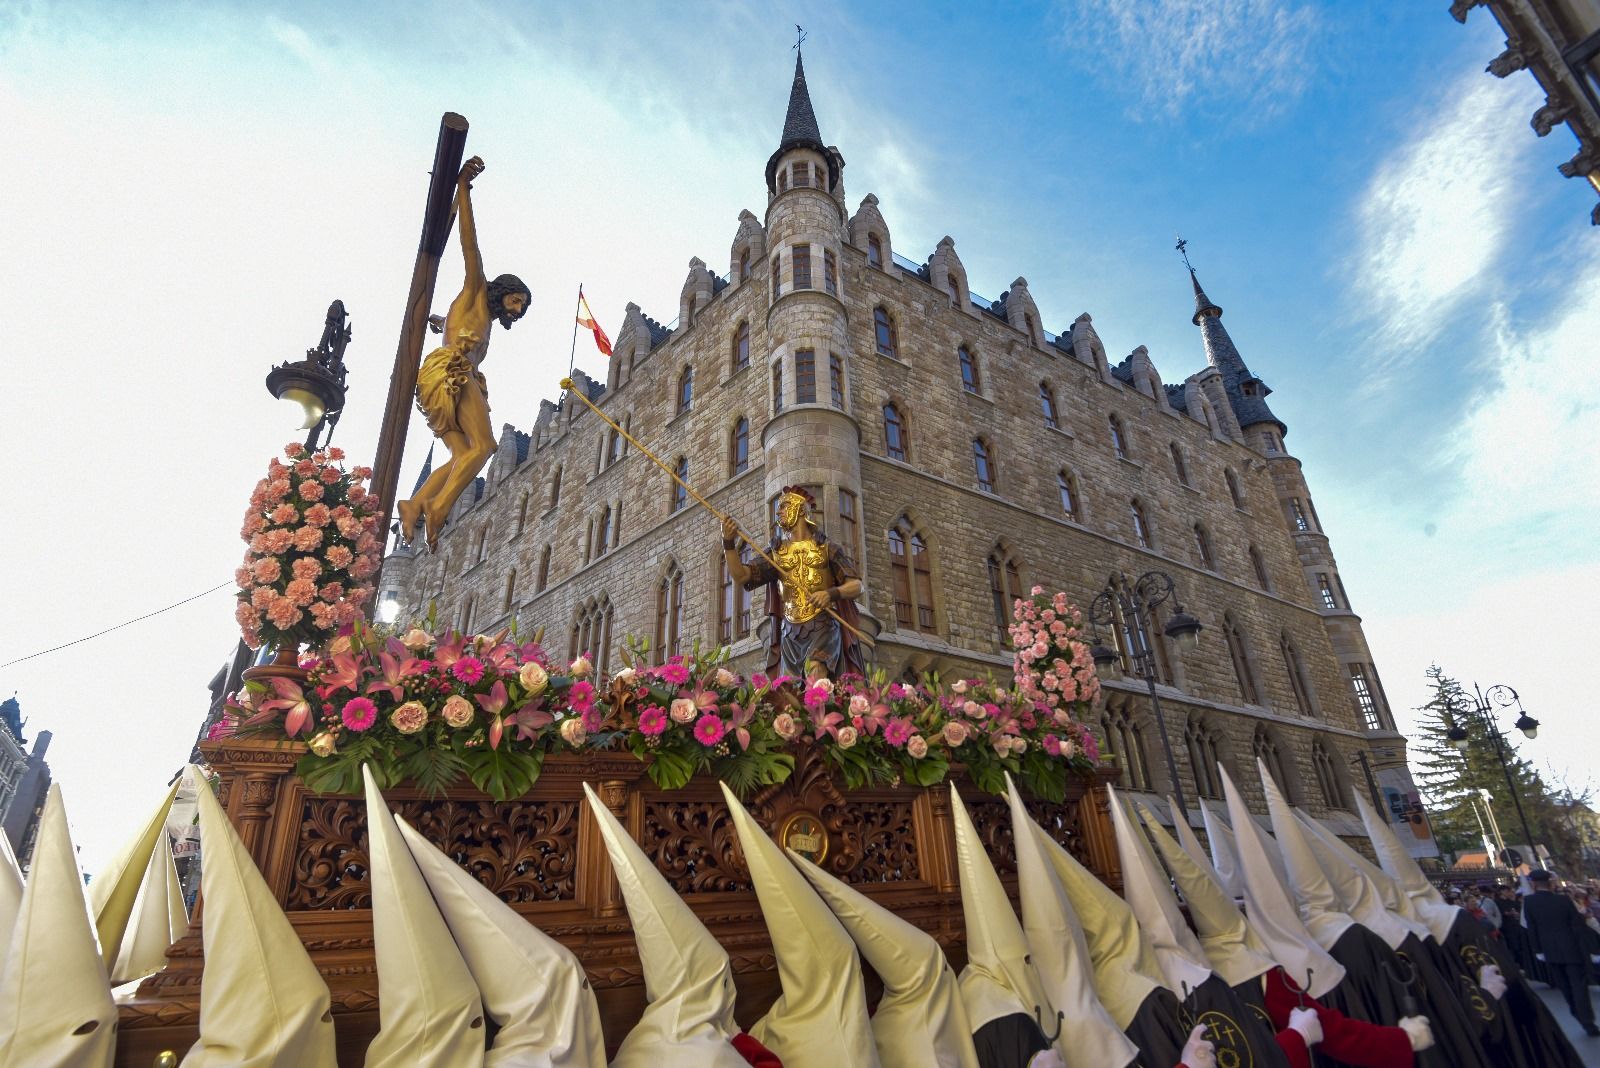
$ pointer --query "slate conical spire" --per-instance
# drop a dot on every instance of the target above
(1247, 394)
(800, 130)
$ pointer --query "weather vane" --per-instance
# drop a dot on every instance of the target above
(799, 37)
(1183, 250)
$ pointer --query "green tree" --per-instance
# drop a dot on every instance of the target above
(1450, 779)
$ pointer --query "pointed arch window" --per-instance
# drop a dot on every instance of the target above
(1005, 589)
(911, 571)
(1202, 548)
(739, 447)
(680, 495)
(1143, 535)
(1027, 324)
(884, 329)
(1333, 794)
(849, 524)
(602, 532)
(895, 436)
(1325, 592)
(544, 569)
(1124, 739)
(744, 265)
(983, 463)
(685, 390)
(522, 515)
(1259, 565)
(555, 488)
(1299, 683)
(511, 590)
(613, 446)
(591, 634)
(805, 377)
(1047, 402)
(669, 612)
(733, 613)
(741, 347)
(1179, 468)
(1297, 514)
(1067, 484)
(1119, 437)
(874, 251)
(836, 380)
(1265, 747)
(1239, 653)
(953, 286)
(1203, 757)
(830, 272)
(1234, 491)
(969, 369)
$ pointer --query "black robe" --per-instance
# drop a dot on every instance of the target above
(1233, 1025)
(1157, 1030)
(1008, 1041)
(1370, 991)
(1535, 1032)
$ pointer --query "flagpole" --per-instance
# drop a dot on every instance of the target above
(572, 355)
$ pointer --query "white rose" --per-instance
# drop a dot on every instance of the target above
(959, 686)
(917, 747)
(581, 667)
(417, 639)
(572, 732)
(859, 705)
(1019, 745)
(784, 726)
(683, 710)
(822, 683)
(533, 678)
(847, 737)
(626, 676)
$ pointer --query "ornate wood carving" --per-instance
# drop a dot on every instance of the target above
(522, 850)
(694, 845)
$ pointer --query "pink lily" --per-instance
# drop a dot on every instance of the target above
(344, 674)
(738, 716)
(393, 670)
(704, 700)
(493, 702)
(292, 700)
(448, 652)
(825, 724)
(528, 721)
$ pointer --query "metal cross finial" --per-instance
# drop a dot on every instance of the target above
(799, 37)
(1183, 250)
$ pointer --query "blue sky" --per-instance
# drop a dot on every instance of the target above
(188, 186)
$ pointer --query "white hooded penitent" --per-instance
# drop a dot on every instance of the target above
(159, 918)
(1320, 908)
(688, 981)
(1149, 893)
(429, 1010)
(533, 988)
(820, 1019)
(1426, 901)
(262, 1003)
(1224, 850)
(55, 999)
(1093, 1037)
(112, 892)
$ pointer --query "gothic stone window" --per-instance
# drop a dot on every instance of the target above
(680, 495)
(895, 436)
(733, 616)
(1068, 485)
(802, 266)
(1119, 438)
(1233, 487)
(1125, 741)
(836, 380)
(969, 369)
(1365, 702)
(805, 377)
(1143, 536)
(874, 251)
(1005, 589)
(1327, 777)
(1296, 670)
(911, 571)
(1266, 750)
(1203, 757)
(739, 447)
(1260, 568)
(741, 347)
(1047, 402)
(685, 390)
(884, 328)
(1237, 652)
(1325, 591)
(983, 464)
(1179, 468)
(669, 612)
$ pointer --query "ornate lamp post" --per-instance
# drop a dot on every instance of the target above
(1483, 709)
(316, 383)
(1130, 606)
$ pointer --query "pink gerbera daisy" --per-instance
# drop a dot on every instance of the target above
(469, 669)
(359, 713)
(709, 729)
(652, 720)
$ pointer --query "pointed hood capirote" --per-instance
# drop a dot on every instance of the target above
(1270, 908)
(688, 980)
(1149, 893)
(1426, 901)
(999, 979)
(1320, 908)
(1234, 951)
(1094, 1035)
(920, 1021)
(820, 1019)
(1224, 850)
(10, 893)
(55, 999)
(1394, 899)
(533, 988)
(1185, 837)
(262, 1002)
(159, 919)
(112, 892)
(1359, 899)
(429, 1010)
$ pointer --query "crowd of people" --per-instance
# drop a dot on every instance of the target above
(1552, 931)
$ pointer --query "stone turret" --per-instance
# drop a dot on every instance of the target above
(812, 438)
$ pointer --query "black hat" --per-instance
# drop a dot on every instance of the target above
(1539, 875)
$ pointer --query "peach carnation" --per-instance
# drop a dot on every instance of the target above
(409, 718)
(307, 539)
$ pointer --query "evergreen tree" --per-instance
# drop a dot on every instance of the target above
(1450, 778)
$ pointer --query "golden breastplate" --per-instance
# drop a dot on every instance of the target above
(804, 569)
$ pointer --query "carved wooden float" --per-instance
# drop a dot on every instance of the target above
(543, 854)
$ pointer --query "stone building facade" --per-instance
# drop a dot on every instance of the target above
(961, 453)
(24, 780)
(1558, 43)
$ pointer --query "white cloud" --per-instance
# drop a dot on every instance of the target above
(1187, 55)
(1436, 213)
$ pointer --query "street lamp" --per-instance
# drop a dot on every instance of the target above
(316, 383)
(1130, 607)
(1485, 704)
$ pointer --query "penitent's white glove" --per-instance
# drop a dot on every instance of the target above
(1048, 1059)
(1307, 1023)
(1492, 980)
(1197, 1052)
(1418, 1031)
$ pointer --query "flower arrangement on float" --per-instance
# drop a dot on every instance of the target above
(311, 527)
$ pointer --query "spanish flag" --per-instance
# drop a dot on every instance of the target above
(587, 320)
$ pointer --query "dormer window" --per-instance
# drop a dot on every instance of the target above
(874, 251)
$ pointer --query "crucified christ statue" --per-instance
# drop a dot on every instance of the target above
(451, 390)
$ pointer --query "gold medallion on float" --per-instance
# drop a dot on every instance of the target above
(803, 832)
